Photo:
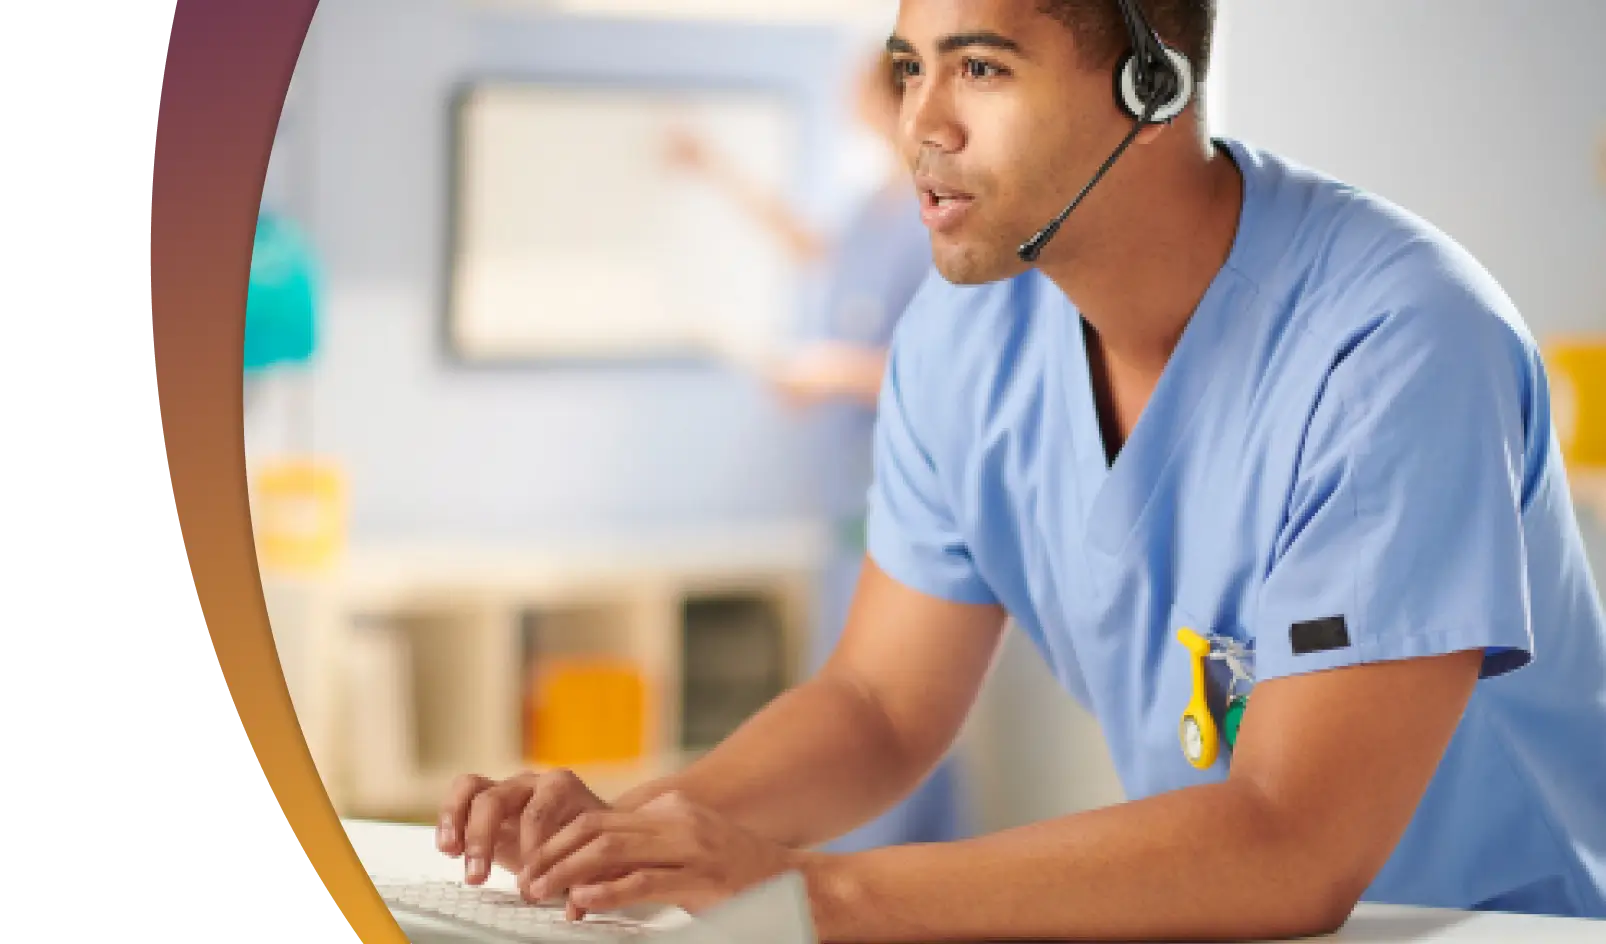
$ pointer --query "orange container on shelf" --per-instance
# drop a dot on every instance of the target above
(587, 710)
(1577, 370)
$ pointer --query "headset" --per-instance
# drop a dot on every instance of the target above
(1153, 85)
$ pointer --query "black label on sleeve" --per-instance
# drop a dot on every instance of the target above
(1323, 635)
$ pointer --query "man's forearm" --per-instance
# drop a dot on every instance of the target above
(816, 762)
(1206, 862)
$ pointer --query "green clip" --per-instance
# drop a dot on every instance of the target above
(1235, 656)
(1235, 714)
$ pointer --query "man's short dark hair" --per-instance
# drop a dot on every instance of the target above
(1101, 34)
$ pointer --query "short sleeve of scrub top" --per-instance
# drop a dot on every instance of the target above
(911, 531)
(1381, 556)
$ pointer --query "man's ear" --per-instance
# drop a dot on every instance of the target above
(1150, 134)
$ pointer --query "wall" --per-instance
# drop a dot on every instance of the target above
(1480, 115)
(437, 450)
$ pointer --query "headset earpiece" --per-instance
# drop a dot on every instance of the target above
(1162, 94)
(1173, 85)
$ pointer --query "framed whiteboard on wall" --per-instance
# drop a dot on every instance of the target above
(572, 238)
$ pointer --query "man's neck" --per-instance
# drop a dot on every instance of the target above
(1138, 285)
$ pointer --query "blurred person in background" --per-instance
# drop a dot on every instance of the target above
(872, 270)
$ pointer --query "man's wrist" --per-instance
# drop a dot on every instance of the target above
(639, 796)
(834, 890)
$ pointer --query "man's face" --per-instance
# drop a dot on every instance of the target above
(1001, 124)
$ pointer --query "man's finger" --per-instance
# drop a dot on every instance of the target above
(557, 799)
(454, 812)
(620, 845)
(658, 886)
(607, 856)
(579, 830)
(507, 853)
(486, 815)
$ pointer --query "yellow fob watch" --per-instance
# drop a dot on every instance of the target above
(1200, 739)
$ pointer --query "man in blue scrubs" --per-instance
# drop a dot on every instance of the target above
(1236, 404)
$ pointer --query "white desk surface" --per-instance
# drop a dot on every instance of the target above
(408, 852)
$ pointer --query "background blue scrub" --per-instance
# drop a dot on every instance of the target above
(876, 267)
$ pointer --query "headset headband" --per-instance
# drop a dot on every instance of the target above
(1145, 44)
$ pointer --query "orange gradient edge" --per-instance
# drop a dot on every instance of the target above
(227, 74)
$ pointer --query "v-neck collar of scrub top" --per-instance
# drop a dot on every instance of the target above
(1114, 496)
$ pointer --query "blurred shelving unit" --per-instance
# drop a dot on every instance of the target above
(411, 663)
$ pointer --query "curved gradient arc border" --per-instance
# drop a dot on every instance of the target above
(228, 71)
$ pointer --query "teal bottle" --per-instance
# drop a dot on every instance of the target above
(281, 302)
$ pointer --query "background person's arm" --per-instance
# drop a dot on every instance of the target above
(842, 747)
(831, 370)
(801, 241)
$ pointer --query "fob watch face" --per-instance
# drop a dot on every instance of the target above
(1192, 739)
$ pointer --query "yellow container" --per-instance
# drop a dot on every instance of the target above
(298, 513)
(1577, 370)
(587, 711)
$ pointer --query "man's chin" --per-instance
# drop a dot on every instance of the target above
(974, 265)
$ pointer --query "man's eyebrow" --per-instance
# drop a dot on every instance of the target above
(991, 40)
(958, 41)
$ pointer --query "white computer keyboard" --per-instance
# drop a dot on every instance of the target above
(502, 914)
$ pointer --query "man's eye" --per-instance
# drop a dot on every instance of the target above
(905, 69)
(979, 69)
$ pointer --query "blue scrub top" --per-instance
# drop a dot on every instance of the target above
(1354, 432)
(878, 264)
